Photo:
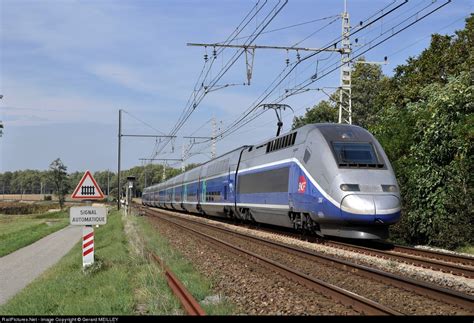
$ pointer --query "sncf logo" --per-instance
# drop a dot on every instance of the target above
(301, 184)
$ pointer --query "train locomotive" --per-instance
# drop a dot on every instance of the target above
(330, 179)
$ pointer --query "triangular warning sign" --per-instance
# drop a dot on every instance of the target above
(87, 188)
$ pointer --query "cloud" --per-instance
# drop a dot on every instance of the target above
(27, 105)
(127, 77)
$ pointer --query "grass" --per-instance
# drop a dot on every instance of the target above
(466, 249)
(66, 290)
(198, 285)
(121, 282)
(19, 231)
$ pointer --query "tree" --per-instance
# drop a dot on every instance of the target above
(368, 82)
(437, 183)
(324, 111)
(426, 128)
(58, 175)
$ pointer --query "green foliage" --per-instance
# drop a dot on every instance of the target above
(367, 84)
(58, 175)
(423, 118)
(324, 111)
(437, 190)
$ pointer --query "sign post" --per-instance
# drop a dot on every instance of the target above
(87, 245)
(87, 216)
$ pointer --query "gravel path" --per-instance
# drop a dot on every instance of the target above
(21, 267)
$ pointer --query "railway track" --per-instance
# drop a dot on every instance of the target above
(447, 263)
(353, 300)
(452, 264)
(430, 291)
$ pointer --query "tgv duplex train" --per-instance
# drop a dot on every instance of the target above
(331, 179)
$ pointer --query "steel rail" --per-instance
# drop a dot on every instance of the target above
(446, 265)
(422, 288)
(189, 303)
(408, 258)
(357, 302)
(465, 260)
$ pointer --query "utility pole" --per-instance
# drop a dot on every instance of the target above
(345, 91)
(119, 188)
(183, 156)
(1, 124)
(213, 140)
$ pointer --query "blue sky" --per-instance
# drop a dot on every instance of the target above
(68, 66)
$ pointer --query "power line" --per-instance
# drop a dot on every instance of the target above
(270, 16)
(139, 120)
(244, 120)
(252, 108)
(288, 27)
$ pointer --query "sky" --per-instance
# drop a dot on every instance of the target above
(67, 67)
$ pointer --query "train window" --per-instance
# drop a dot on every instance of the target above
(270, 181)
(355, 154)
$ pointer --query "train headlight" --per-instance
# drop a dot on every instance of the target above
(390, 188)
(350, 187)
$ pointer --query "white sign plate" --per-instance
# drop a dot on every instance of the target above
(87, 215)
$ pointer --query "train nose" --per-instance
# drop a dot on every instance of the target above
(370, 207)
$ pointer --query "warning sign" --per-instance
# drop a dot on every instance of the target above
(87, 188)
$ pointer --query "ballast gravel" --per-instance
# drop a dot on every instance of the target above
(253, 289)
(458, 283)
(396, 298)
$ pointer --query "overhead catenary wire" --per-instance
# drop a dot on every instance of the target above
(244, 22)
(393, 33)
(246, 121)
(145, 123)
(251, 114)
(243, 118)
(270, 16)
(288, 27)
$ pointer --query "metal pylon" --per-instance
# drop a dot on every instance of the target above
(345, 102)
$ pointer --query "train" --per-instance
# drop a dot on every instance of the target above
(329, 179)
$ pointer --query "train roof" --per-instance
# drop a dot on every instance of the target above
(331, 131)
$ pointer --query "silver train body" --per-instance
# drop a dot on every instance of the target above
(331, 179)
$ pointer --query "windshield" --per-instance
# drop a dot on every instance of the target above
(355, 154)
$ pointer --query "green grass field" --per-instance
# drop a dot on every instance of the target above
(18, 231)
(121, 282)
